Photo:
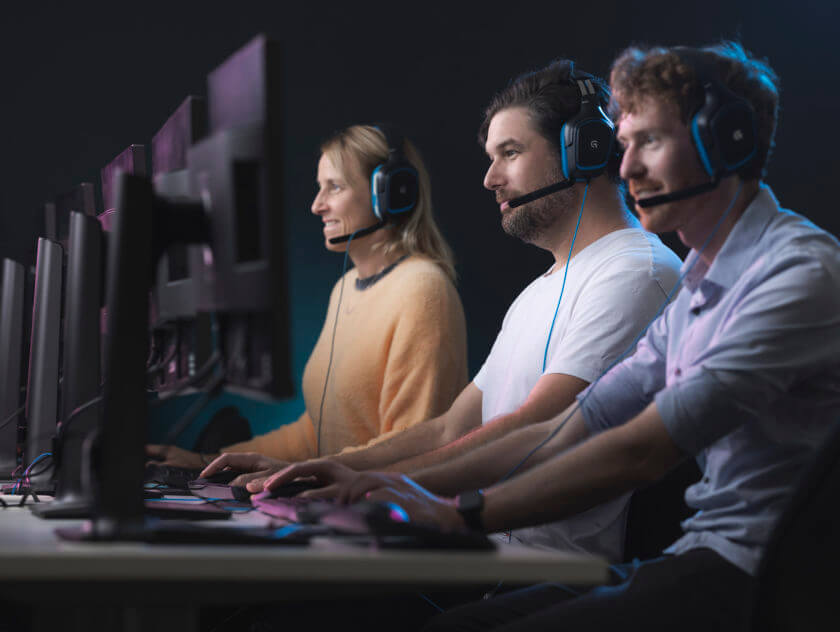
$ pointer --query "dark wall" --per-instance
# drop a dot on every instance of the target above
(80, 87)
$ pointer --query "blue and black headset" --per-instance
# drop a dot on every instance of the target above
(394, 185)
(586, 139)
(723, 128)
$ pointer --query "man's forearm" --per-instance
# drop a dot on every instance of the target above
(605, 466)
(552, 394)
(487, 465)
(420, 438)
(481, 436)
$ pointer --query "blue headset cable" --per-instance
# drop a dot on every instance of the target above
(332, 343)
(565, 274)
(632, 345)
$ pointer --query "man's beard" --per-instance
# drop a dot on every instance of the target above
(531, 221)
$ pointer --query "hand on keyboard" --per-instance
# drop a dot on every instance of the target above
(254, 468)
(337, 482)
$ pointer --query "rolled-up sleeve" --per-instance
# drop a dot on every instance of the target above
(629, 386)
(782, 331)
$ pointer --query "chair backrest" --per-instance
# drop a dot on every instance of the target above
(797, 579)
(656, 511)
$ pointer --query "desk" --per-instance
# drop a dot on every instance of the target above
(114, 585)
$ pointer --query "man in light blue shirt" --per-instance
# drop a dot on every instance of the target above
(741, 372)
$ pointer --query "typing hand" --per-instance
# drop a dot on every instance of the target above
(421, 505)
(257, 468)
(173, 455)
(340, 483)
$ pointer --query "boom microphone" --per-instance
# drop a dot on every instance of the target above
(682, 194)
(536, 195)
(357, 234)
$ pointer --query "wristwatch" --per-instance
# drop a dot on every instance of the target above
(469, 505)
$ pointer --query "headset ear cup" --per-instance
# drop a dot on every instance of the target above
(733, 128)
(587, 139)
(723, 132)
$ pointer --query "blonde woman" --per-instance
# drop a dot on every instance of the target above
(392, 351)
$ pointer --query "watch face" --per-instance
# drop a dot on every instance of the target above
(470, 501)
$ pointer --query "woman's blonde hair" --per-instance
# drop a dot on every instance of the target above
(416, 233)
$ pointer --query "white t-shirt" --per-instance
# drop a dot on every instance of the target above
(614, 288)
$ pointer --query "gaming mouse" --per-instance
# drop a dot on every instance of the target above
(293, 488)
(223, 477)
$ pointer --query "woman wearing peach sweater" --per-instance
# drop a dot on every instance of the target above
(392, 351)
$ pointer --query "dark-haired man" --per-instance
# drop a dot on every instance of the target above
(742, 372)
(609, 279)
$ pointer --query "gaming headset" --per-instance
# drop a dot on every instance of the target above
(586, 141)
(723, 128)
(394, 185)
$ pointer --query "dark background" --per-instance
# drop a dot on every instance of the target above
(80, 85)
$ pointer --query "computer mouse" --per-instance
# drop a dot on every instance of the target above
(293, 488)
(223, 477)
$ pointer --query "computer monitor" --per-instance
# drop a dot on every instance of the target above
(81, 359)
(42, 385)
(239, 213)
(180, 334)
(81, 370)
(80, 198)
(250, 286)
(11, 362)
(130, 160)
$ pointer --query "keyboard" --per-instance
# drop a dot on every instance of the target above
(170, 475)
(293, 509)
(181, 477)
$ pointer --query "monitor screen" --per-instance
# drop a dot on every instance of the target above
(80, 198)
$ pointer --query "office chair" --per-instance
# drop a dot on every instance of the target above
(656, 511)
(797, 578)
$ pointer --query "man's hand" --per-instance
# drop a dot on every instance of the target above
(422, 506)
(256, 468)
(173, 455)
(339, 482)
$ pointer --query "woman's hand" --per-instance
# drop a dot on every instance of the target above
(178, 457)
(255, 467)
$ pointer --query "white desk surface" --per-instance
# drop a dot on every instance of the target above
(30, 551)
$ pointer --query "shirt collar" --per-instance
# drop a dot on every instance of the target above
(737, 251)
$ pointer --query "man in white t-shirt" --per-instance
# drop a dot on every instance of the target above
(608, 281)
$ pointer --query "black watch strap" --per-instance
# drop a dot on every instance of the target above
(469, 505)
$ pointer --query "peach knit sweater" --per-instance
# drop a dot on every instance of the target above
(400, 358)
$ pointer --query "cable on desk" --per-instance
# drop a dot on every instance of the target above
(27, 473)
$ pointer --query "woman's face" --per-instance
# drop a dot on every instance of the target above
(342, 203)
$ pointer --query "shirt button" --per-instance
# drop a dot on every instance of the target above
(677, 371)
(705, 479)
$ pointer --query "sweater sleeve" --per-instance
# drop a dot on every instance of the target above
(291, 442)
(426, 366)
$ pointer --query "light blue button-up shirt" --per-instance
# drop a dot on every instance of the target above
(744, 367)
